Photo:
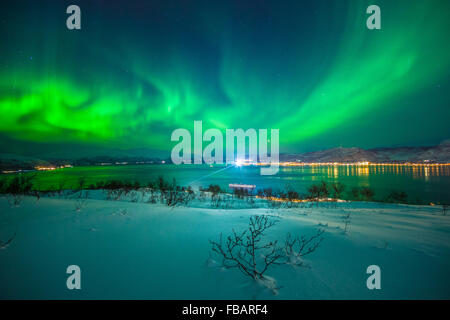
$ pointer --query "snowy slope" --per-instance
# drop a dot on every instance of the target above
(148, 251)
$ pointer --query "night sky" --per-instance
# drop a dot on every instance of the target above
(137, 70)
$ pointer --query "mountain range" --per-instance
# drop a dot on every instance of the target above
(432, 154)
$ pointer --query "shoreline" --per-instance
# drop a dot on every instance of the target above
(281, 164)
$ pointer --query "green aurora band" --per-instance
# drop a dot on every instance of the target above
(132, 74)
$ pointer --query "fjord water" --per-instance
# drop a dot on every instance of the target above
(423, 184)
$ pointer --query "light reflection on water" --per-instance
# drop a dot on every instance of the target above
(422, 183)
(417, 172)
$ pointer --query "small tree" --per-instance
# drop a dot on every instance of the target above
(323, 187)
(17, 187)
(252, 255)
(297, 247)
(274, 201)
(174, 195)
(2, 185)
(171, 194)
(317, 191)
(367, 193)
(20, 184)
(293, 195)
(355, 193)
(240, 193)
(337, 188)
(292, 198)
(397, 197)
(347, 219)
(215, 190)
(246, 251)
(81, 183)
(60, 186)
(314, 192)
(267, 192)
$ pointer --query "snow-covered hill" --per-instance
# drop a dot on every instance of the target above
(149, 251)
(437, 154)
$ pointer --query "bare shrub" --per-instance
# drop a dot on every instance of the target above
(4, 245)
(60, 187)
(274, 204)
(81, 201)
(337, 189)
(36, 194)
(3, 185)
(246, 251)
(298, 247)
(202, 196)
(445, 209)
(134, 196)
(17, 187)
(355, 194)
(80, 183)
(152, 196)
(241, 193)
(347, 219)
(367, 193)
(171, 194)
(216, 201)
(250, 253)
(290, 198)
(397, 197)
(114, 194)
(318, 191)
(14, 200)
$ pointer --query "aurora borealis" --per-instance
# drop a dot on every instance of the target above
(137, 70)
